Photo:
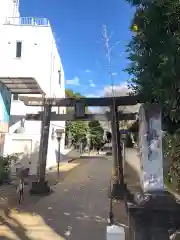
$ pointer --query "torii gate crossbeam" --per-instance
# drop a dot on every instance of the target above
(80, 105)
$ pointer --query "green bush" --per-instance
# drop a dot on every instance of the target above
(5, 165)
(172, 155)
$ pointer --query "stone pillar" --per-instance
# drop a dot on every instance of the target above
(150, 145)
(153, 211)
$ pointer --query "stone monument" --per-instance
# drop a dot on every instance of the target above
(150, 143)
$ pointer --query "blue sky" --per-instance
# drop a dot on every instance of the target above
(78, 28)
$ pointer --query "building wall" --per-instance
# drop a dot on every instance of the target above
(39, 59)
(27, 145)
(8, 8)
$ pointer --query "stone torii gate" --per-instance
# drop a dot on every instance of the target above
(153, 211)
(79, 104)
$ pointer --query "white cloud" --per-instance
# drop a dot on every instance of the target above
(121, 90)
(107, 91)
(91, 95)
(88, 71)
(114, 74)
(91, 83)
(117, 90)
(75, 81)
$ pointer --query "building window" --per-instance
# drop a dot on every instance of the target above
(59, 73)
(15, 97)
(18, 49)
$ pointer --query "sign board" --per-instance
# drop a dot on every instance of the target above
(5, 106)
(150, 143)
(79, 110)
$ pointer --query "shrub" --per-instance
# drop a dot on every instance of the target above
(172, 155)
(5, 165)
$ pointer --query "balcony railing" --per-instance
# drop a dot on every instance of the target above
(27, 21)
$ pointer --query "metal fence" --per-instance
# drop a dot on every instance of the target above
(27, 21)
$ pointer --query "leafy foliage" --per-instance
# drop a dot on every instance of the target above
(154, 54)
(172, 153)
(139, 2)
(5, 164)
(96, 133)
(71, 94)
(78, 129)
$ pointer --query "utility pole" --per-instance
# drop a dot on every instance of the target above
(118, 185)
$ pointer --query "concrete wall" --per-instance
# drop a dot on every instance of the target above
(27, 145)
(8, 8)
(40, 58)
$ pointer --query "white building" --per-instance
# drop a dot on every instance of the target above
(29, 64)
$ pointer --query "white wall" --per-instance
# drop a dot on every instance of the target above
(8, 8)
(28, 147)
(26, 144)
(40, 58)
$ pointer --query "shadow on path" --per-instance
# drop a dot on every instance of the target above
(78, 207)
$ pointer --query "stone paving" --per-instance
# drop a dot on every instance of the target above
(77, 208)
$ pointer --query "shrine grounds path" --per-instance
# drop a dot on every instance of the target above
(78, 207)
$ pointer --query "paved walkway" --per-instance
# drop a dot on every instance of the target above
(77, 209)
(131, 178)
(8, 196)
(94, 153)
(132, 159)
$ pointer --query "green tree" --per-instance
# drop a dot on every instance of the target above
(154, 54)
(71, 94)
(77, 129)
(139, 2)
(96, 133)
